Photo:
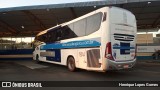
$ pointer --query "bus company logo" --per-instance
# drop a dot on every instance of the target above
(6, 84)
(125, 38)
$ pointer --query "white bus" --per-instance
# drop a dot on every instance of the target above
(102, 40)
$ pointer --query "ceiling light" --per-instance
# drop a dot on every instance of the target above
(149, 2)
(22, 26)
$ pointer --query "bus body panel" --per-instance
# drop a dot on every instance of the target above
(123, 31)
(106, 38)
(94, 57)
(122, 35)
(69, 52)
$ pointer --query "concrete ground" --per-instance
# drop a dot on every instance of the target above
(21, 70)
(31, 71)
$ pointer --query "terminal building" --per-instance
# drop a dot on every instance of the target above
(19, 25)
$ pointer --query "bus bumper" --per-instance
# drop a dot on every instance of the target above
(114, 65)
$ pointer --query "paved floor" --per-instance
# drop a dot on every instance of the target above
(32, 71)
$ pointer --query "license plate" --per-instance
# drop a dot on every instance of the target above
(126, 66)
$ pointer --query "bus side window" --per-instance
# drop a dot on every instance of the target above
(67, 33)
(80, 27)
(63, 31)
(44, 37)
(93, 23)
(59, 35)
(51, 36)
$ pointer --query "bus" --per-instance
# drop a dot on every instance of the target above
(102, 40)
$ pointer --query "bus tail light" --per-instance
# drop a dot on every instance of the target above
(108, 51)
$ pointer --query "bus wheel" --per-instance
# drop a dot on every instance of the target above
(71, 64)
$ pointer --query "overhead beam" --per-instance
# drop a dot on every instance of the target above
(146, 13)
(26, 33)
(22, 34)
(35, 19)
(6, 26)
(145, 27)
(5, 34)
(145, 18)
(139, 7)
(156, 22)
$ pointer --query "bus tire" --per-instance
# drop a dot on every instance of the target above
(71, 64)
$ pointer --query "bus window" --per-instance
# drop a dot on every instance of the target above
(51, 37)
(93, 23)
(68, 33)
(80, 27)
(58, 35)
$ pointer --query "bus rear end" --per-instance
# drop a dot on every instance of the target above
(120, 50)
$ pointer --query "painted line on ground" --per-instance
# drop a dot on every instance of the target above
(31, 65)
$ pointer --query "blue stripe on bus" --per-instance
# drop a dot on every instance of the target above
(72, 44)
(123, 47)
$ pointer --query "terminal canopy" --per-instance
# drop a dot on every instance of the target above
(30, 20)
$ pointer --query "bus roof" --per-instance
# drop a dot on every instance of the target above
(74, 20)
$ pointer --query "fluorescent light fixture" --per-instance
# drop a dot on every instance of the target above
(149, 2)
(22, 26)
